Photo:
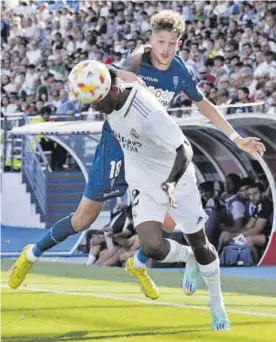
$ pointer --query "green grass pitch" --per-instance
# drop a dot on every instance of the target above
(62, 302)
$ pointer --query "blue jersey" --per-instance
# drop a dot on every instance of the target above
(166, 84)
(106, 176)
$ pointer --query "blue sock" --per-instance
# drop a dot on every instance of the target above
(58, 233)
(141, 256)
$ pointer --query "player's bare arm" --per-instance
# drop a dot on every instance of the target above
(251, 145)
(181, 162)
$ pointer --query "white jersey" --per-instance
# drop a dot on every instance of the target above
(149, 138)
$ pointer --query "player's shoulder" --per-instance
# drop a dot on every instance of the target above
(180, 65)
(147, 101)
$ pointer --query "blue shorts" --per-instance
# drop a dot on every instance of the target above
(106, 177)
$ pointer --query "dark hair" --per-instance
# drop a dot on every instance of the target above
(46, 110)
(195, 43)
(269, 54)
(209, 62)
(207, 186)
(247, 44)
(247, 181)
(236, 179)
(245, 90)
(219, 58)
(257, 45)
(258, 185)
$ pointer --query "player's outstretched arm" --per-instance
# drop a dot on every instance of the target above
(133, 61)
(251, 145)
(130, 66)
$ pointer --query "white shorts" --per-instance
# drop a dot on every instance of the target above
(190, 215)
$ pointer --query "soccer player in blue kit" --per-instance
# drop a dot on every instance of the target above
(166, 75)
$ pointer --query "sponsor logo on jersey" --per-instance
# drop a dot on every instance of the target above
(111, 193)
(163, 96)
(149, 79)
(133, 133)
(128, 144)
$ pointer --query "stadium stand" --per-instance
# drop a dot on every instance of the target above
(230, 46)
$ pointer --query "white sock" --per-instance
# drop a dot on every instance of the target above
(137, 263)
(211, 276)
(177, 253)
(90, 260)
(30, 255)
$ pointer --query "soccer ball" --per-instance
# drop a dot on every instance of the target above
(89, 81)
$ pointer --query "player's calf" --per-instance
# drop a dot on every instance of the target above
(209, 269)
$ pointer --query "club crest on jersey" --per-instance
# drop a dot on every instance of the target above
(175, 81)
(133, 133)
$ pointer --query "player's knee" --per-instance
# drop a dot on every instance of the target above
(154, 250)
(200, 245)
(80, 222)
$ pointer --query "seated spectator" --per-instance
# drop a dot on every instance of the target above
(233, 217)
(243, 190)
(243, 96)
(267, 191)
(257, 230)
(212, 207)
(207, 195)
(116, 238)
(66, 106)
(97, 244)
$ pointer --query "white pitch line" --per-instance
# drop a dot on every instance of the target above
(98, 295)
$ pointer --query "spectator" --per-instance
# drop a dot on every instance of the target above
(66, 106)
(34, 54)
(117, 239)
(207, 194)
(222, 98)
(246, 183)
(4, 105)
(248, 81)
(257, 230)
(234, 214)
(268, 66)
(224, 37)
(243, 97)
(223, 82)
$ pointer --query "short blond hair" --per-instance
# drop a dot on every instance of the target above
(168, 21)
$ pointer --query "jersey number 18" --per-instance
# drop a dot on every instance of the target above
(115, 168)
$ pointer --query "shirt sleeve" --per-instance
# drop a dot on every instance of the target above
(266, 211)
(164, 131)
(189, 87)
(238, 210)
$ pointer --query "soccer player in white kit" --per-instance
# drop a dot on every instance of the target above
(161, 178)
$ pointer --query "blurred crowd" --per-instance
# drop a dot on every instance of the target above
(229, 45)
(240, 214)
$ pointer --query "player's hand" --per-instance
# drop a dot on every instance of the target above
(169, 188)
(251, 145)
